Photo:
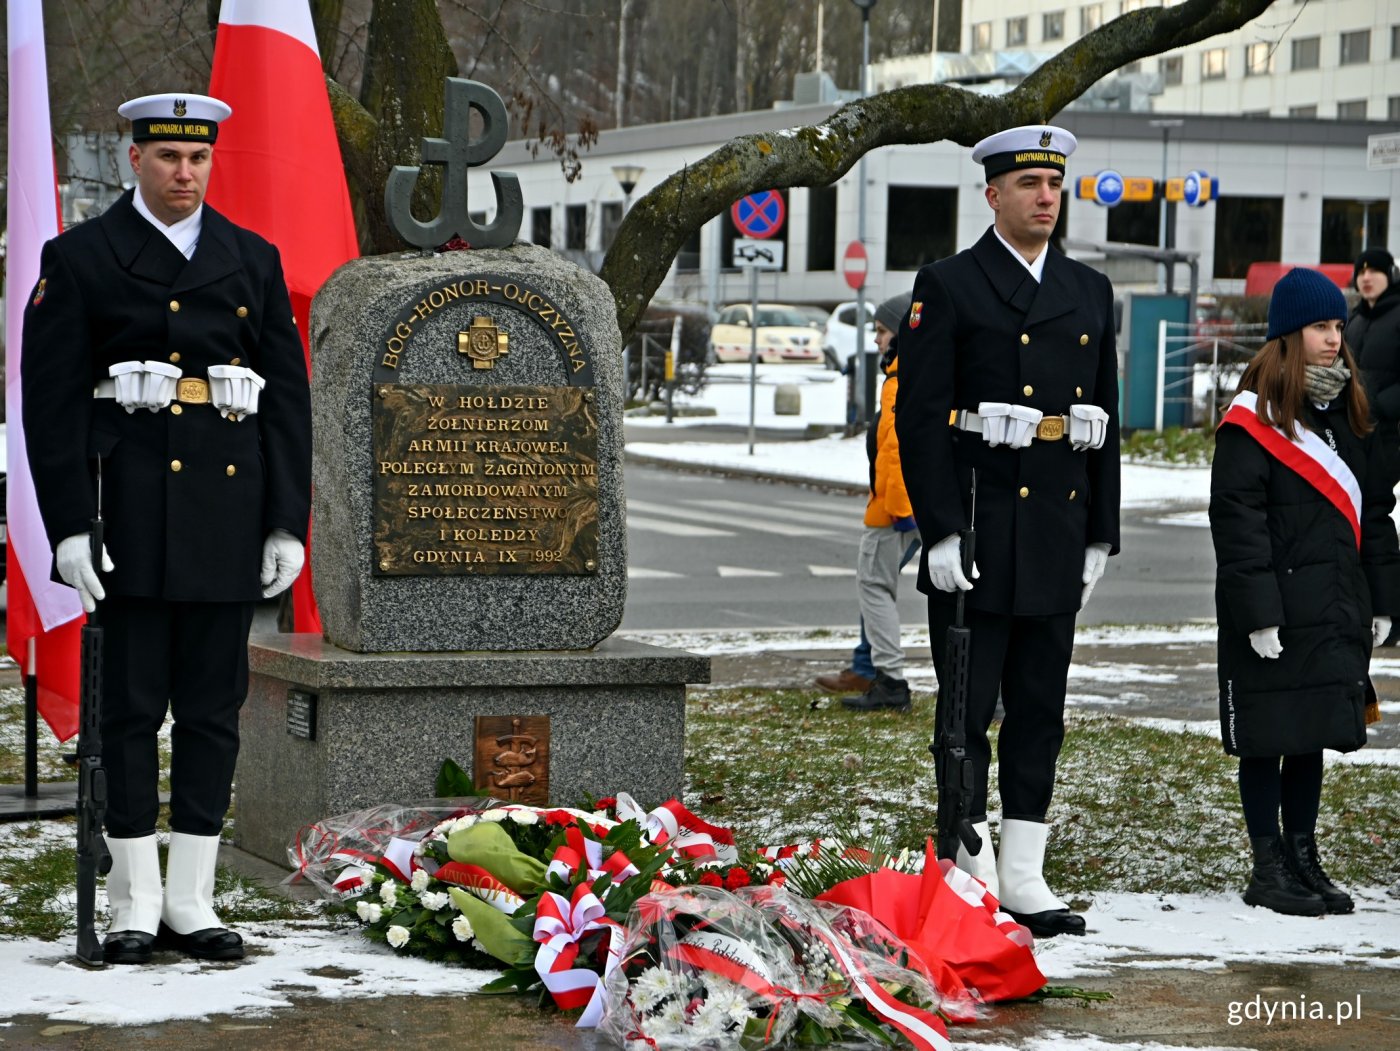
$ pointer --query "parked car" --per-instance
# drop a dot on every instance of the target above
(784, 334)
(839, 338)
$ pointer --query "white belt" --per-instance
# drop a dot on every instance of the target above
(1049, 429)
(188, 389)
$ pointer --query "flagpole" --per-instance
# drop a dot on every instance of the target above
(31, 726)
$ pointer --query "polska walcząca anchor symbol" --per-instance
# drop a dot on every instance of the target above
(458, 151)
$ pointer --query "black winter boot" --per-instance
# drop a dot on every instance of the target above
(884, 692)
(1300, 855)
(1275, 887)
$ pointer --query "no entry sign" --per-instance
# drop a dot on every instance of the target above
(759, 214)
(855, 264)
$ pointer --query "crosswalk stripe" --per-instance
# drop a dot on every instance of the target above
(744, 571)
(845, 523)
(638, 573)
(746, 522)
(656, 525)
(831, 571)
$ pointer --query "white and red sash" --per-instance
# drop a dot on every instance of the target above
(1316, 462)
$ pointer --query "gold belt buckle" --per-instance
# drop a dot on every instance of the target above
(192, 391)
(1050, 428)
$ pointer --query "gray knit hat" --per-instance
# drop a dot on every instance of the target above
(893, 310)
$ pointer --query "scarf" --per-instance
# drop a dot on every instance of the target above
(1325, 382)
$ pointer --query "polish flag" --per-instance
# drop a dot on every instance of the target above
(39, 611)
(277, 168)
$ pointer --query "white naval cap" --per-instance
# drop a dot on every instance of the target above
(1029, 146)
(175, 116)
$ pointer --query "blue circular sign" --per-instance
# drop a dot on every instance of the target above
(1193, 189)
(759, 214)
(1108, 187)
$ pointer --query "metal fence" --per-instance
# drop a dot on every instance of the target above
(1198, 366)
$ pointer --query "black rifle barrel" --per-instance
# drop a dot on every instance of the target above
(93, 857)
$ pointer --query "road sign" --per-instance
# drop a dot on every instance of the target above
(855, 264)
(759, 214)
(1383, 151)
(1196, 189)
(1139, 188)
(1108, 187)
(758, 255)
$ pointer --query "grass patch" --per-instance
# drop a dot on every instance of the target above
(1188, 447)
(1136, 808)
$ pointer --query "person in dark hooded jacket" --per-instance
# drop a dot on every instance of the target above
(1307, 579)
(1373, 335)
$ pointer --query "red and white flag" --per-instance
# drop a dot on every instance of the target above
(40, 610)
(278, 170)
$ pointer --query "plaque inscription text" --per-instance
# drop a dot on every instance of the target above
(483, 479)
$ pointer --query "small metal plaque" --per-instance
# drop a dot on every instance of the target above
(512, 757)
(301, 714)
(483, 479)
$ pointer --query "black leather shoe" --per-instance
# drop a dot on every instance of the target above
(212, 943)
(884, 692)
(128, 947)
(1051, 922)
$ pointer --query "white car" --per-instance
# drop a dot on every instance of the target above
(839, 339)
(784, 334)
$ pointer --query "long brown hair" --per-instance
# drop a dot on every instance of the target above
(1278, 375)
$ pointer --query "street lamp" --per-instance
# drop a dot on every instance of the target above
(863, 361)
(627, 175)
(1166, 125)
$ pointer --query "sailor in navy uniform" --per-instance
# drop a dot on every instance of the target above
(165, 388)
(1009, 370)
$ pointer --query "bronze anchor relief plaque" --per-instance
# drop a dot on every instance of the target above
(484, 480)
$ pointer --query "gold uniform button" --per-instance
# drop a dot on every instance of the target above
(236, 361)
(174, 306)
(1079, 392)
(175, 465)
(1073, 493)
(1084, 340)
(242, 311)
(1027, 390)
(1025, 492)
(1025, 339)
(230, 470)
(176, 409)
(174, 358)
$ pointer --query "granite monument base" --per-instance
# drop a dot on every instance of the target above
(377, 726)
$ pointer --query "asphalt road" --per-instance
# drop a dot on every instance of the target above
(712, 552)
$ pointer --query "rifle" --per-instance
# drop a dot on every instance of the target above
(949, 748)
(93, 857)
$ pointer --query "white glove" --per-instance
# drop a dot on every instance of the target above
(234, 390)
(1021, 423)
(1380, 630)
(945, 565)
(1266, 644)
(282, 558)
(74, 561)
(1095, 558)
(1088, 426)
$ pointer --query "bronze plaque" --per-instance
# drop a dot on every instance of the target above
(479, 479)
(512, 758)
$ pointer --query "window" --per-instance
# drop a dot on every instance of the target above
(1303, 112)
(1131, 5)
(1016, 32)
(1132, 67)
(1392, 108)
(921, 225)
(576, 227)
(1247, 230)
(1170, 68)
(1354, 109)
(1135, 222)
(821, 228)
(611, 218)
(1052, 25)
(1090, 18)
(1395, 41)
(688, 258)
(1213, 64)
(1356, 47)
(982, 36)
(1258, 59)
(1347, 225)
(1307, 52)
(541, 223)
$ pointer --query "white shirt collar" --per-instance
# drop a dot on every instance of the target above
(184, 234)
(1036, 266)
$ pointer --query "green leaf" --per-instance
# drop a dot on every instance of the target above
(452, 780)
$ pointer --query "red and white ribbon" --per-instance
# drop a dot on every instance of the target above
(1306, 454)
(578, 850)
(482, 884)
(973, 891)
(671, 824)
(560, 923)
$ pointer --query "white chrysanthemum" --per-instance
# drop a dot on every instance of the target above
(672, 1015)
(419, 883)
(524, 817)
(498, 814)
(466, 821)
(651, 987)
(388, 893)
(462, 929)
(434, 900)
(398, 936)
(368, 911)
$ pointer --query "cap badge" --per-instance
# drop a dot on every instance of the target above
(916, 313)
(1044, 139)
(179, 107)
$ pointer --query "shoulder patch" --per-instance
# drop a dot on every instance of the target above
(39, 290)
(916, 313)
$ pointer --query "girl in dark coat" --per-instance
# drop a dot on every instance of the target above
(1306, 581)
(1373, 335)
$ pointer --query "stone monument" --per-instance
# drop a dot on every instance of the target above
(469, 534)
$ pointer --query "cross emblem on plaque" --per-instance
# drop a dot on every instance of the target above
(483, 342)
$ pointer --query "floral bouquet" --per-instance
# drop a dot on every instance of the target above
(706, 968)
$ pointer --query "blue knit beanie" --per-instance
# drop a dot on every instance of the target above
(1301, 297)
